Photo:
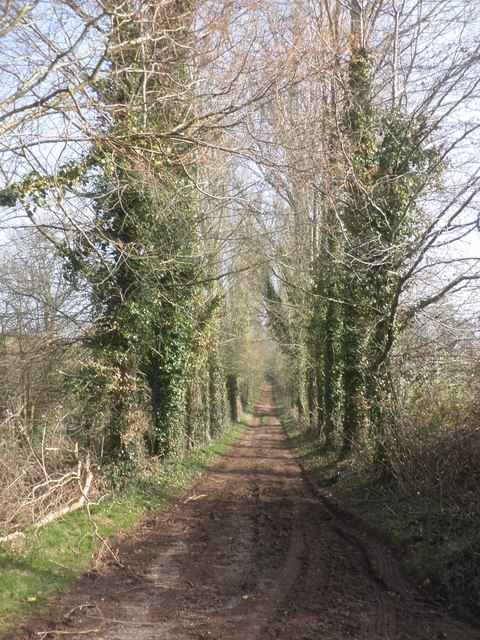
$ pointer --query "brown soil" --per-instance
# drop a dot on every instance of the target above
(250, 553)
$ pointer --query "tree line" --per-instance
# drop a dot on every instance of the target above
(194, 196)
(369, 217)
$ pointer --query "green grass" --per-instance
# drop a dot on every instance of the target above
(255, 398)
(319, 462)
(34, 568)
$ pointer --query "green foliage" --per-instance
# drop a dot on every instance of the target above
(357, 275)
(141, 257)
(8, 197)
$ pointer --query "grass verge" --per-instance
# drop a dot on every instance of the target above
(34, 568)
(440, 540)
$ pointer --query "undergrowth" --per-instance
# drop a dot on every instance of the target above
(439, 534)
(34, 568)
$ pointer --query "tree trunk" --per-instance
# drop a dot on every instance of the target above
(232, 391)
(352, 378)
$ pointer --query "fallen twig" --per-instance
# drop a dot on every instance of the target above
(52, 632)
(102, 539)
(69, 508)
(202, 495)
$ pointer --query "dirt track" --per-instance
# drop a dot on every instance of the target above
(250, 553)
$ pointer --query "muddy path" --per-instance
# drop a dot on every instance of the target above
(249, 553)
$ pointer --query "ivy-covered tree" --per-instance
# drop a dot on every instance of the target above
(141, 254)
(389, 161)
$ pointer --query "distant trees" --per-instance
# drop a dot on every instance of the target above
(39, 312)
